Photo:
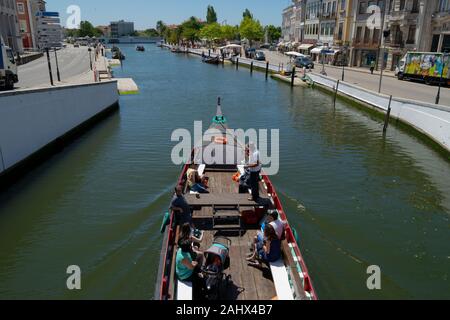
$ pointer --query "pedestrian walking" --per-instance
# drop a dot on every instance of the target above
(372, 66)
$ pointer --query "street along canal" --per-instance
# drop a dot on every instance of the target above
(355, 197)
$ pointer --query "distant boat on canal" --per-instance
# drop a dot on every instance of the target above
(227, 220)
(140, 48)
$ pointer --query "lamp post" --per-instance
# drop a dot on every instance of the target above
(49, 66)
(344, 54)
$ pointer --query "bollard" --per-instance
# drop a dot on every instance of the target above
(388, 115)
(293, 77)
(237, 63)
(209, 53)
(251, 67)
(49, 66)
(267, 70)
(335, 94)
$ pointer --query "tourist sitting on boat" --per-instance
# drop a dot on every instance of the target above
(269, 250)
(187, 234)
(278, 225)
(202, 186)
(254, 167)
(192, 177)
(188, 269)
(180, 206)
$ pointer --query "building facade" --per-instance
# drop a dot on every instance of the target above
(26, 29)
(288, 24)
(121, 28)
(440, 41)
(9, 25)
(354, 28)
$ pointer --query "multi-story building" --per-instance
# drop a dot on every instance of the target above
(9, 25)
(328, 22)
(49, 30)
(366, 32)
(288, 24)
(121, 28)
(313, 10)
(410, 25)
(26, 26)
(441, 27)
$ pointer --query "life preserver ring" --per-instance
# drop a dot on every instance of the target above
(220, 140)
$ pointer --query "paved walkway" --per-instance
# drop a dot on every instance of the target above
(74, 67)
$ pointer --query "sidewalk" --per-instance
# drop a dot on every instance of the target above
(275, 58)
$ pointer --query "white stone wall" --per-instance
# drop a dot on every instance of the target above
(432, 120)
(31, 119)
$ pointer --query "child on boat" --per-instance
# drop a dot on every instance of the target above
(267, 251)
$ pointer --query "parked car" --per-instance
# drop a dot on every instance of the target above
(304, 62)
(76, 45)
(260, 56)
(250, 53)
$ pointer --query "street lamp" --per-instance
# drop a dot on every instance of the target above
(344, 60)
(386, 33)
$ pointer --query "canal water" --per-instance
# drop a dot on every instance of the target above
(355, 197)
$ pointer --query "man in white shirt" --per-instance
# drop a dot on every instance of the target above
(254, 166)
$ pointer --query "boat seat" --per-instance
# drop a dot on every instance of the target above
(281, 280)
(184, 291)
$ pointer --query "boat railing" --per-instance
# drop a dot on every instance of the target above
(292, 242)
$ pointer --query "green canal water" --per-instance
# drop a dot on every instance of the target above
(357, 199)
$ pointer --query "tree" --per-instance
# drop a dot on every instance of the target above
(273, 33)
(161, 27)
(251, 29)
(211, 15)
(190, 29)
(211, 32)
(247, 14)
(87, 29)
(229, 32)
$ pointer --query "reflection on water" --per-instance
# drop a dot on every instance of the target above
(356, 198)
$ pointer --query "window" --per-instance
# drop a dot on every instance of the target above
(402, 5)
(340, 31)
(376, 36)
(358, 34)
(415, 7)
(411, 35)
(366, 35)
(362, 7)
(343, 4)
(20, 8)
(23, 26)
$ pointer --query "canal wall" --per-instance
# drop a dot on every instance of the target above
(430, 119)
(35, 120)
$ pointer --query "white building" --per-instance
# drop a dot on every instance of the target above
(121, 29)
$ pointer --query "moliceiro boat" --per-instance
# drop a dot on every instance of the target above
(226, 222)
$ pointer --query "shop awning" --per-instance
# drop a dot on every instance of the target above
(305, 46)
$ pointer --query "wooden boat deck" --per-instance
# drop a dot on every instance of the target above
(248, 283)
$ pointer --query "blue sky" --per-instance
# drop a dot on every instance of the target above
(145, 13)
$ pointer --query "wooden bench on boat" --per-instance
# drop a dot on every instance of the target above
(184, 290)
(281, 280)
(224, 199)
